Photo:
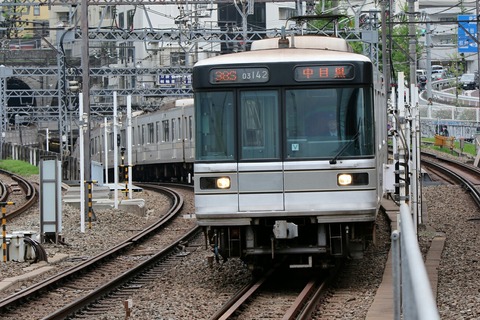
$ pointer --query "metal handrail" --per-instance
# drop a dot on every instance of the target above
(411, 284)
(445, 97)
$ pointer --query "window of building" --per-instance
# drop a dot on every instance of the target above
(286, 13)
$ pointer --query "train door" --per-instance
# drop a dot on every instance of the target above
(260, 169)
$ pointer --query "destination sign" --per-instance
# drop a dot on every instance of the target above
(322, 72)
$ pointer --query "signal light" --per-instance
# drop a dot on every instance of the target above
(73, 85)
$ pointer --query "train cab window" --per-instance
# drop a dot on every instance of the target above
(330, 122)
(259, 125)
(215, 126)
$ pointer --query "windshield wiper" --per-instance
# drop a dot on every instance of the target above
(348, 144)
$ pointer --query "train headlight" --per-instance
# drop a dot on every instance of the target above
(209, 183)
(344, 179)
(223, 183)
(353, 179)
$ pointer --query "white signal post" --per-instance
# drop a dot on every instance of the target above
(105, 143)
(129, 145)
(82, 166)
(115, 150)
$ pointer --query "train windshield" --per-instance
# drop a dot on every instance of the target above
(329, 123)
(215, 134)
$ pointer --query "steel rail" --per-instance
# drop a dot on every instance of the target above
(471, 187)
(55, 281)
(28, 188)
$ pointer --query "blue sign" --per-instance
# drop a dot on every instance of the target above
(467, 31)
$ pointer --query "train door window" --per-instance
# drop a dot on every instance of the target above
(174, 128)
(185, 129)
(123, 137)
(133, 136)
(142, 135)
(259, 125)
(158, 132)
(151, 133)
(110, 140)
(179, 128)
(190, 127)
(214, 126)
(166, 130)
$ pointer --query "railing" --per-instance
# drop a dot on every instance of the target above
(32, 155)
(440, 95)
(413, 295)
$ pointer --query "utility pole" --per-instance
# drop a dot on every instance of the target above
(86, 94)
(385, 33)
(428, 44)
(477, 12)
(412, 42)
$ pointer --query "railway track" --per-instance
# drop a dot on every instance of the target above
(278, 294)
(454, 172)
(20, 191)
(110, 274)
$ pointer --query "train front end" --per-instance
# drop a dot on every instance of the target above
(288, 153)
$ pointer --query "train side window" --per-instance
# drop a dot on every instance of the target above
(142, 135)
(165, 130)
(158, 132)
(151, 133)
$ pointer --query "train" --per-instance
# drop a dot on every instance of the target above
(285, 145)
(162, 148)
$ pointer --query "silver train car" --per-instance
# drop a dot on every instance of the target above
(291, 140)
(163, 143)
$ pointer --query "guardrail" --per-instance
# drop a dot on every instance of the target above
(413, 296)
(451, 98)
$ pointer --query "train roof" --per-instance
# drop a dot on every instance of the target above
(306, 48)
(305, 42)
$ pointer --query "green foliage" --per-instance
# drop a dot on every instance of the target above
(401, 48)
(18, 167)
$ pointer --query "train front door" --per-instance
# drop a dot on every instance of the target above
(260, 169)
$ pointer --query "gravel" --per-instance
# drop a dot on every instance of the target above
(194, 289)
